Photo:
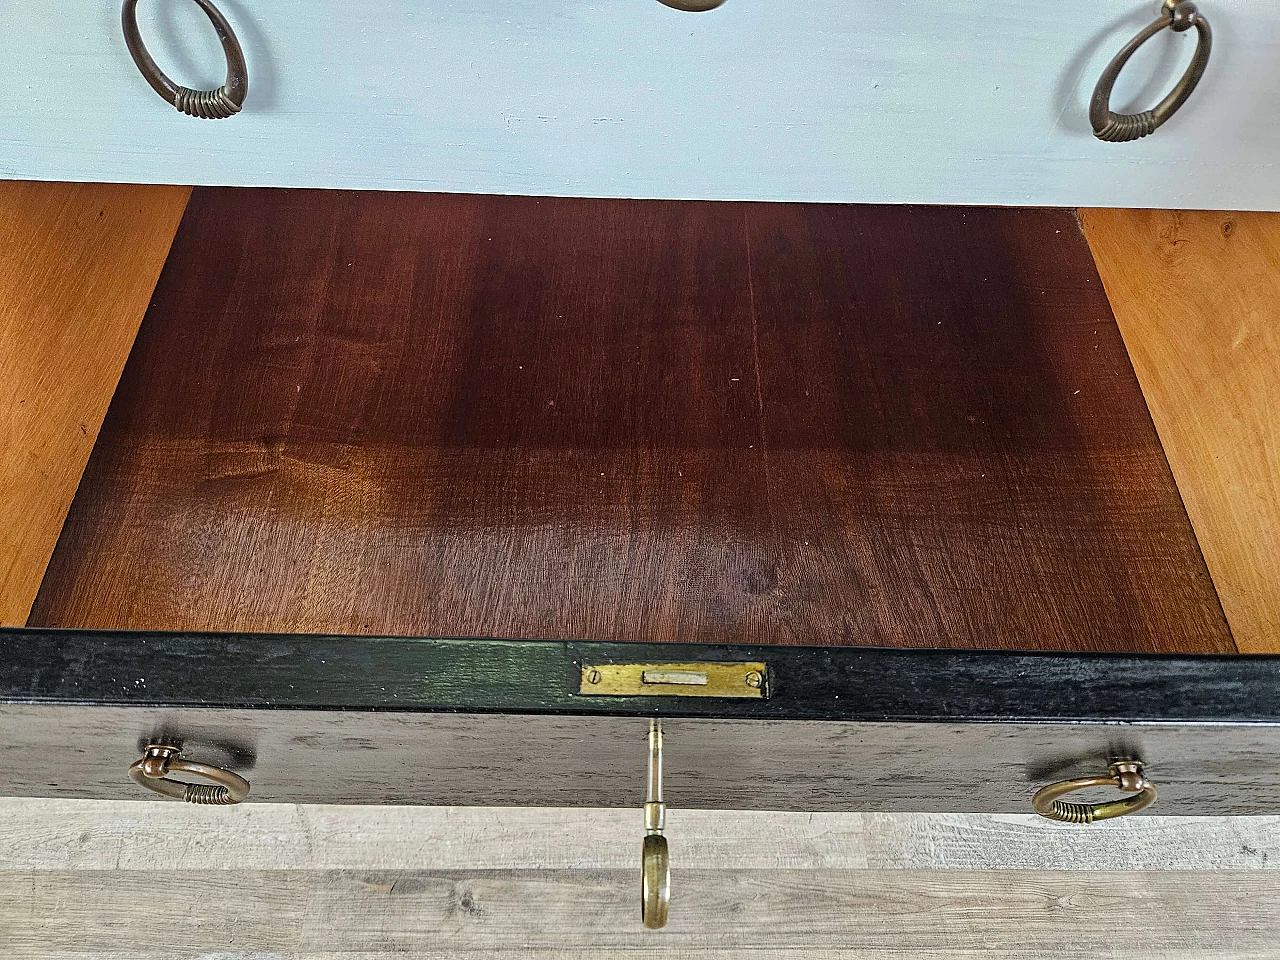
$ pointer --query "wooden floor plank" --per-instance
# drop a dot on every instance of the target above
(661, 950)
(333, 913)
(155, 879)
(978, 842)
(1197, 297)
(503, 416)
(70, 835)
(78, 263)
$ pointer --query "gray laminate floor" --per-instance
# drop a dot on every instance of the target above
(145, 880)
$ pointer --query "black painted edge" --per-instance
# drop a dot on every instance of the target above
(318, 672)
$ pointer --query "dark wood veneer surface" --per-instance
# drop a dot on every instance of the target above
(613, 420)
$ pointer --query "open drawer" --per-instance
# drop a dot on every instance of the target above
(863, 503)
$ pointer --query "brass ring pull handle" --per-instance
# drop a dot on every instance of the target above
(655, 882)
(1178, 15)
(655, 861)
(218, 104)
(692, 6)
(159, 760)
(1126, 775)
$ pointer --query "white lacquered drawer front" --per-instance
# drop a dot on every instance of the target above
(939, 102)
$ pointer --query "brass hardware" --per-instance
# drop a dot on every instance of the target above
(675, 680)
(218, 104)
(1178, 15)
(1126, 775)
(655, 862)
(692, 6)
(687, 678)
(159, 760)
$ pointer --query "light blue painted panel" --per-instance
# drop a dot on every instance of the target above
(944, 101)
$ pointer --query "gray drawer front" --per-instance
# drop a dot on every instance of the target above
(483, 760)
(455, 721)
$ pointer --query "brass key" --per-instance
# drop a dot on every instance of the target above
(655, 877)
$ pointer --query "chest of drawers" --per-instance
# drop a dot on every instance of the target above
(419, 497)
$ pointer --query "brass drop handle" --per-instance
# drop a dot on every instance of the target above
(655, 874)
(218, 104)
(1178, 15)
(159, 760)
(692, 6)
(1125, 775)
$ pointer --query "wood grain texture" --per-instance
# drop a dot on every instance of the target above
(977, 842)
(84, 835)
(758, 100)
(86, 880)
(336, 913)
(573, 761)
(78, 263)
(1197, 297)
(408, 414)
(357, 674)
